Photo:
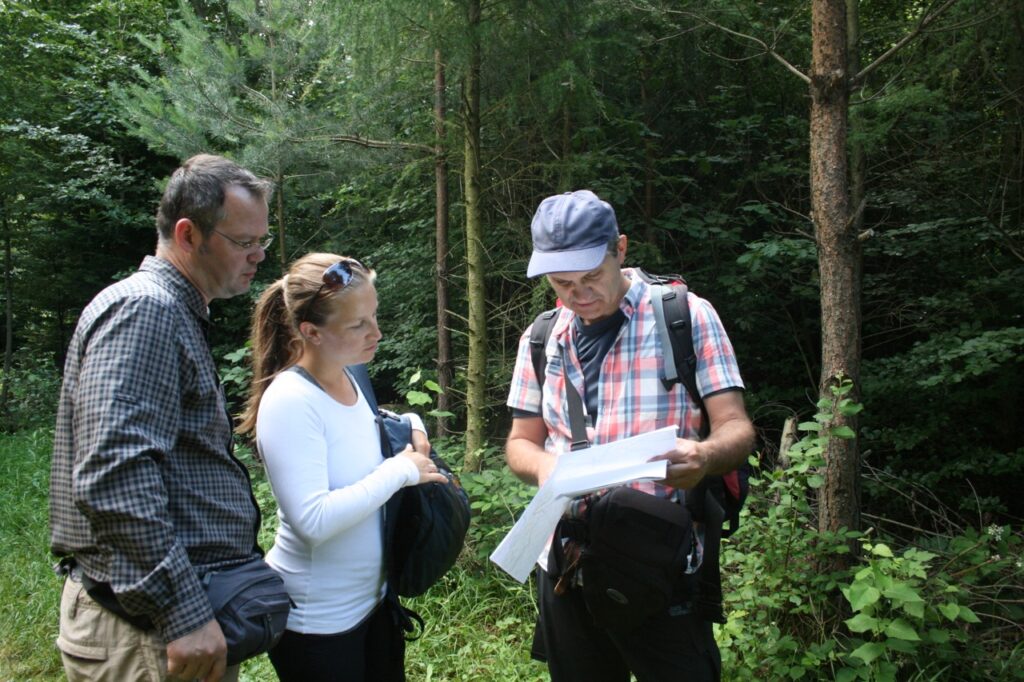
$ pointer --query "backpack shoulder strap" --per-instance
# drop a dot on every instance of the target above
(672, 316)
(539, 335)
(361, 376)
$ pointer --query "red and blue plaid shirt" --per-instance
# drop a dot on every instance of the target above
(631, 397)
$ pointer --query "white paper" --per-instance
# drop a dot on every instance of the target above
(576, 473)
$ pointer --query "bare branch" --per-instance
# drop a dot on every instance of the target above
(926, 20)
(769, 50)
(366, 142)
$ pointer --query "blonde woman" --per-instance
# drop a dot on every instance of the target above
(319, 440)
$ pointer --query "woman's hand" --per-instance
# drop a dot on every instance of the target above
(427, 468)
(420, 443)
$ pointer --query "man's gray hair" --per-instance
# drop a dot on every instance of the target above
(196, 191)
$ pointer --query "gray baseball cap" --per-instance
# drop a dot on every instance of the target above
(571, 232)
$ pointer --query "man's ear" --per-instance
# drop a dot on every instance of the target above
(622, 249)
(187, 236)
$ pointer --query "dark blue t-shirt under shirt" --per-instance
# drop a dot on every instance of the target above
(593, 341)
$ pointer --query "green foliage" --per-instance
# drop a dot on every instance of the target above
(918, 614)
(418, 398)
(497, 499)
(34, 387)
(781, 615)
(236, 373)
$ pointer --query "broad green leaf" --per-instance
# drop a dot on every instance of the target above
(868, 652)
(901, 645)
(914, 609)
(862, 622)
(440, 413)
(967, 615)
(901, 629)
(417, 398)
(846, 675)
(809, 426)
(843, 432)
(950, 610)
(901, 592)
(815, 481)
(882, 550)
(415, 378)
(861, 595)
(433, 386)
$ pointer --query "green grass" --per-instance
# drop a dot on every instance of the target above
(479, 624)
(29, 590)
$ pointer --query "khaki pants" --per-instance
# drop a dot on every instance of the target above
(97, 645)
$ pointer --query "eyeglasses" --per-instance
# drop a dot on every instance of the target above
(250, 244)
(337, 276)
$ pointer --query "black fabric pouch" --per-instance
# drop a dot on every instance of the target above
(251, 606)
(634, 557)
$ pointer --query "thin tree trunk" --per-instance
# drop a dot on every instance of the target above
(444, 336)
(282, 249)
(645, 74)
(838, 252)
(8, 317)
(476, 370)
(857, 160)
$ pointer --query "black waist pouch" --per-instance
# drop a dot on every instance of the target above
(634, 557)
(251, 606)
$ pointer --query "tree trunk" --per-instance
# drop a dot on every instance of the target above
(282, 248)
(8, 317)
(857, 160)
(444, 335)
(838, 253)
(648, 215)
(476, 370)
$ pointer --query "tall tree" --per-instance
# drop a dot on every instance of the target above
(839, 258)
(476, 288)
(444, 335)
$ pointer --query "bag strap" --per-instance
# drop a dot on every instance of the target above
(672, 317)
(577, 420)
(709, 581)
(540, 332)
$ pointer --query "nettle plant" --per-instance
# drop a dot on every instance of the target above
(782, 616)
(952, 609)
(944, 606)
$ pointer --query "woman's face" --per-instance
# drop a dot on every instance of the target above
(350, 333)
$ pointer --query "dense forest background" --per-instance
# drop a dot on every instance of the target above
(420, 136)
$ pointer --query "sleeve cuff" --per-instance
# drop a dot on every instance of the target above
(190, 611)
(416, 422)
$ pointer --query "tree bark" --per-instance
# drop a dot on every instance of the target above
(476, 369)
(838, 253)
(444, 336)
(8, 316)
(857, 159)
(282, 248)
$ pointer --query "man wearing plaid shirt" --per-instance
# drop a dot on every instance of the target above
(145, 491)
(606, 328)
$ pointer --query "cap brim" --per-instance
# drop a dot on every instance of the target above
(579, 260)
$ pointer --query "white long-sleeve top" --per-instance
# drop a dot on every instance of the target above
(330, 480)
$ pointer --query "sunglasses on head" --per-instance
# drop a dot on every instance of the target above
(337, 276)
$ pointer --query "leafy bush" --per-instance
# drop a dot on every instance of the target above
(33, 386)
(497, 499)
(948, 606)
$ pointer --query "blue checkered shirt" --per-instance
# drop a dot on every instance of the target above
(144, 488)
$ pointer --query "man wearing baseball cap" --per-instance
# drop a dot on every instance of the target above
(604, 342)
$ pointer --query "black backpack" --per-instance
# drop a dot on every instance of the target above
(719, 498)
(435, 518)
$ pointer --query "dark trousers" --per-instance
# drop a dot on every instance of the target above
(666, 648)
(373, 651)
